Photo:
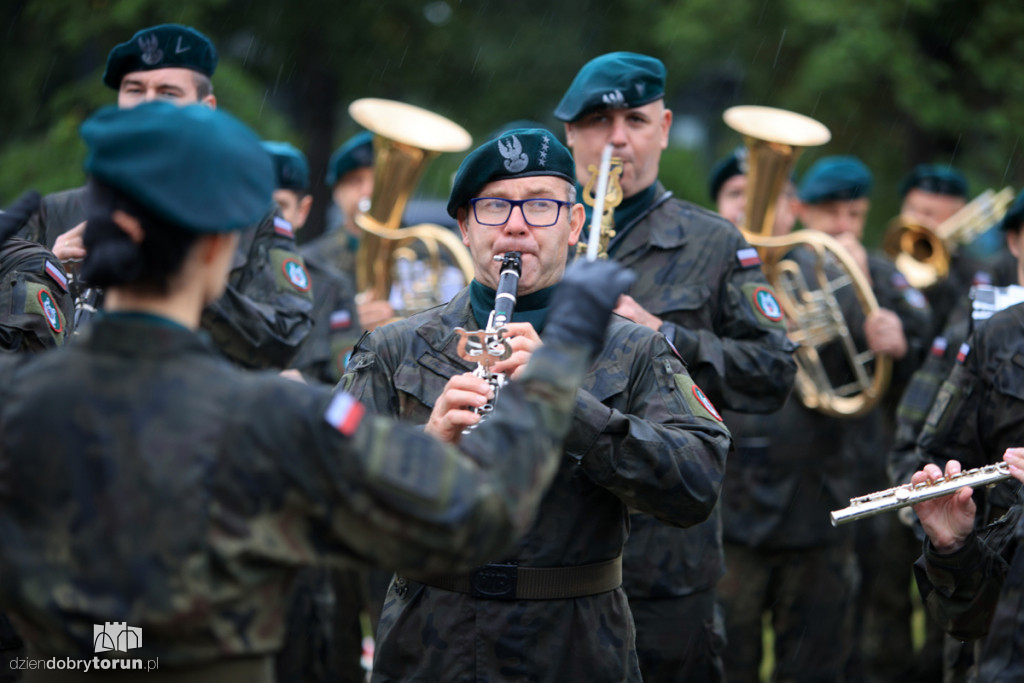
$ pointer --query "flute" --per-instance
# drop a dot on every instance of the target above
(911, 494)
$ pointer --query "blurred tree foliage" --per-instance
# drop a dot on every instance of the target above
(898, 83)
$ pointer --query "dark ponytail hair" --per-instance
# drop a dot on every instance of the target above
(114, 259)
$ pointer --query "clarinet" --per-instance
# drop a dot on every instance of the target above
(911, 494)
(488, 346)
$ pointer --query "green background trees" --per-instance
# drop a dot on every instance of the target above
(898, 83)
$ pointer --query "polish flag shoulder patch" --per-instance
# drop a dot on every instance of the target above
(961, 355)
(60, 278)
(283, 227)
(939, 346)
(341, 319)
(345, 413)
(748, 257)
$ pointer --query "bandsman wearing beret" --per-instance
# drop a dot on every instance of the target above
(324, 632)
(975, 375)
(170, 509)
(336, 328)
(931, 194)
(350, 175)
(834, 198)
(700, 284)
(642, 436)
(263, 316)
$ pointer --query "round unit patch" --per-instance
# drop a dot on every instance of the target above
(50, 311)
(704, 401)
(296, 274)
(767, 304)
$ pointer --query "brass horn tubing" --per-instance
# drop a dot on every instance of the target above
(768, 166)
(397, 171)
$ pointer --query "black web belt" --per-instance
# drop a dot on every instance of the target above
(512, 582)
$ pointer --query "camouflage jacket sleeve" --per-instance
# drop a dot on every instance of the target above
(662, 448)
(897, 295)
(420, 505)
(324, 354)
(917, 400)
(743, 359)
(264, 315)
(962, 590)
(36, 308)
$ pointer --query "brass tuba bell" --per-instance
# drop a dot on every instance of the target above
(406, 139)
(775, 138)
(923, 254)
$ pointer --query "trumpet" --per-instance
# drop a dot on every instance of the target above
(775, 138)
(923, 254)
(912, 494)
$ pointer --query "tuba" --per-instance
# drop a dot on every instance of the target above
(406, 139)
(922, 254)
(774, 139)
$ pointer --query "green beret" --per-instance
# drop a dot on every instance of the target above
(290, 166)
(937, 179)
(835, 178)
(1014, 215)
(196, 167)
(618, 80)
(161, 47)
(518, 153)
(733, 165)
(356, 152)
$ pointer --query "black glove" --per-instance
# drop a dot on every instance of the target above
(583, 302)
(14, 217)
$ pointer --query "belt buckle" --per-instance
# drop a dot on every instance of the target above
(494, 581)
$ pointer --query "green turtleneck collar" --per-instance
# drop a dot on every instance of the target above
(626, 212)
(530, 308)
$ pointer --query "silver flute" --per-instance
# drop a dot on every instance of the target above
(911, 494)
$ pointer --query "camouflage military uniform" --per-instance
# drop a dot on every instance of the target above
(338, 248)
(696, 273)
(639, 437)
(183, 497)
(978, 592)
(336, 328)
(782, 554)
(263, 316)
(871, 438)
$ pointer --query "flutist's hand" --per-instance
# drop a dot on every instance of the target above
(453, 410)
(524, 340)
(949, 520)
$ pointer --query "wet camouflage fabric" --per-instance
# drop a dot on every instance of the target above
(36, 309)
(920, 395)
(979, 410)
(324, 353)
(689, 275)
(789, 470)
(807, 590)
(978, 591)
(262, 318)
(183, 497)
(265, 312)
(338, 249)
(638, 438)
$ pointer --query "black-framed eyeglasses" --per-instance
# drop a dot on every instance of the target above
(538, 213)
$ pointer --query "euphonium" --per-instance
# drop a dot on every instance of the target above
(774, 139)
(922, 254)
(406, 138)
